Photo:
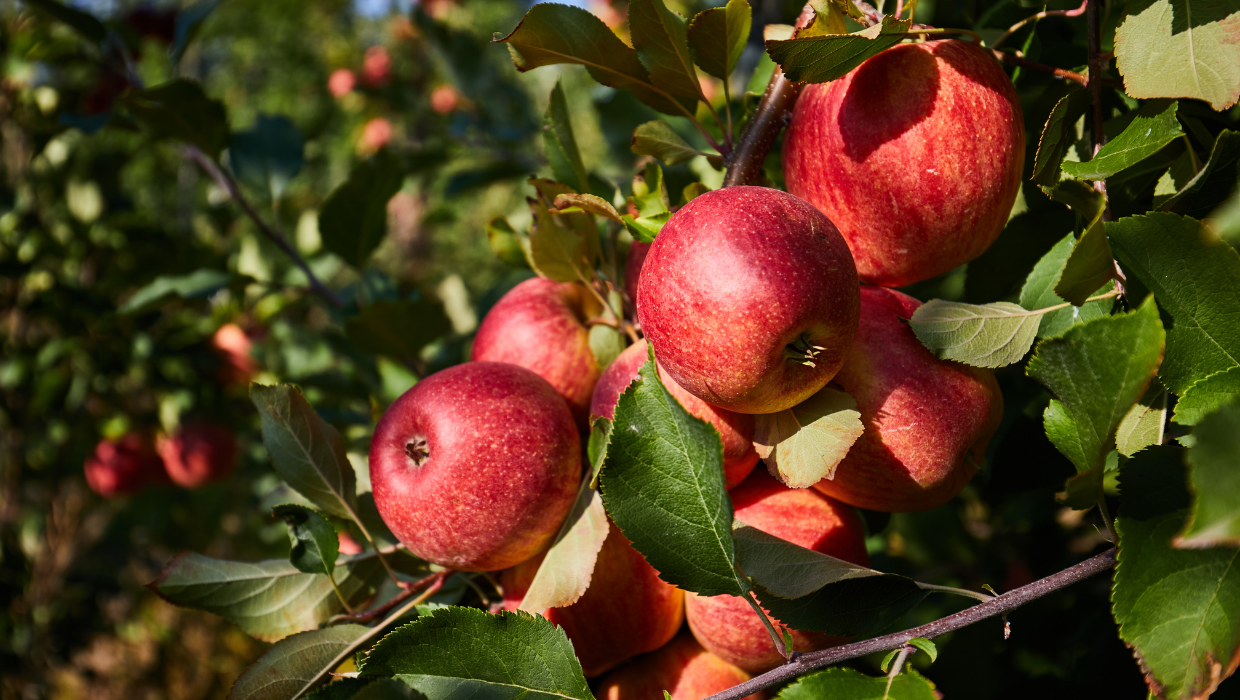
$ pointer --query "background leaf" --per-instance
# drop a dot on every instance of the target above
(1153, 127)
(83, 23)
(663, 486)
(1206, 395)
(786, 569)
(804, 444)
(268, 599)
(1214, 480)
(315, 544)
(289, 666)
(466, 652)
(1058, 136)
(1180, 48)
(717, 37)
(1177, 609)
(397, 329)
(267, 155)
(990, 335)
(561, 144)
(660, 38)
(657, 139)
(353, 220)
(1196, 279)
(821, 59)
(1090, 264)
(1039, 293)
(1214, 183)
(180, 110)
(195, 285)
(188, 22)
(306, 452)
(557, 250)
(850, 684)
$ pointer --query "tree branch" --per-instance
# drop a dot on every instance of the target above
(1014, 60)
(1041, 15)
(999, 605)
(225, 181)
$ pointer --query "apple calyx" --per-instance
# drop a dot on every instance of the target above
(418, 451)
(802, 350)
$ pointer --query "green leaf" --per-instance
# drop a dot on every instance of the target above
(353, 220)
(596, 447)
(507, 244)
(1154, 126)
(1090, 264)
(365, 689)
(1214, 183)
(561, 145)
(562, 247)
(268, 155)
(1180, 48)
(306, 452)
(850, 684)
(1196, 278)
(181, 111)
(1179, 610)
(663, 486)
(195, 285)
(821, 59)
(645, 228)
(989, 335)
(830, 17)
(804, 444)
(717, 37)
(83, 23)
(1214, 481)
(1207, 395)
(1097, 371)
(591, 204)
(465, 652)
(927, 646)
(1058, 136)
(606, 344)
(186, 26)
(287, 669)
(315, 544)
(657, 139)
(566, 570)
(1039, 293)
(269, 599)
(1145, 422)
(552, 34)
(660, 38)
(692, 191)
(788, 570)
(397, 328)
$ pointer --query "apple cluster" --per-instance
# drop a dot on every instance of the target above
(752, 301)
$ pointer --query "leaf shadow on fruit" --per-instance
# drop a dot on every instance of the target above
(887, 98)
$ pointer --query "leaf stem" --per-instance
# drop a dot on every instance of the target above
(225, 182)
(348, 608)
(1106, 519)
(954, 591)
(998, 605)
(775, 636)
(727, 109)
(366, 533)
(1014, 60)
(1034, 17)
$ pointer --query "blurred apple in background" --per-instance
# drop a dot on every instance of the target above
(233, 346)
(123, 466)
(198, 453)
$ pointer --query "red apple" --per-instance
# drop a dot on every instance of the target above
(627, 610)
(341, 82)
(749, 297)
(927, 421)
(727, 625)
(233, 346)
(633, 268)
(123, 466)
(735, 429)
(915, 155)
(540, 325)
(683, 669)
(476, 466)
(198, 453)
(376, 67)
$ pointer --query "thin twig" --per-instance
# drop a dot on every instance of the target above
(1041, 15)
(998, 605)
(225, 181)
(1014, 60)
(409, 590)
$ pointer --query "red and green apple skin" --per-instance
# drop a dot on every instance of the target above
(541, 325)
(749, 297)
(626, 611)
(916, 155)
(927, 421)
(682, 668)
(735, 429)
(476, 466)
(726, 625)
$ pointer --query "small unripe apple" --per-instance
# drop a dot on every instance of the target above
(683, 669)
(727, 625)
(735, 429)
(627, 610)
(198, 453)
(927, 421)
(916, 156)
(123, 466)
(749, 297)
(476, 466)
(541, 325)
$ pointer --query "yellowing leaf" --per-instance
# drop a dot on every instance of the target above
(565, 572)
(804, 444)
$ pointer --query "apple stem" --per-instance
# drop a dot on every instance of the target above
(998, 605)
